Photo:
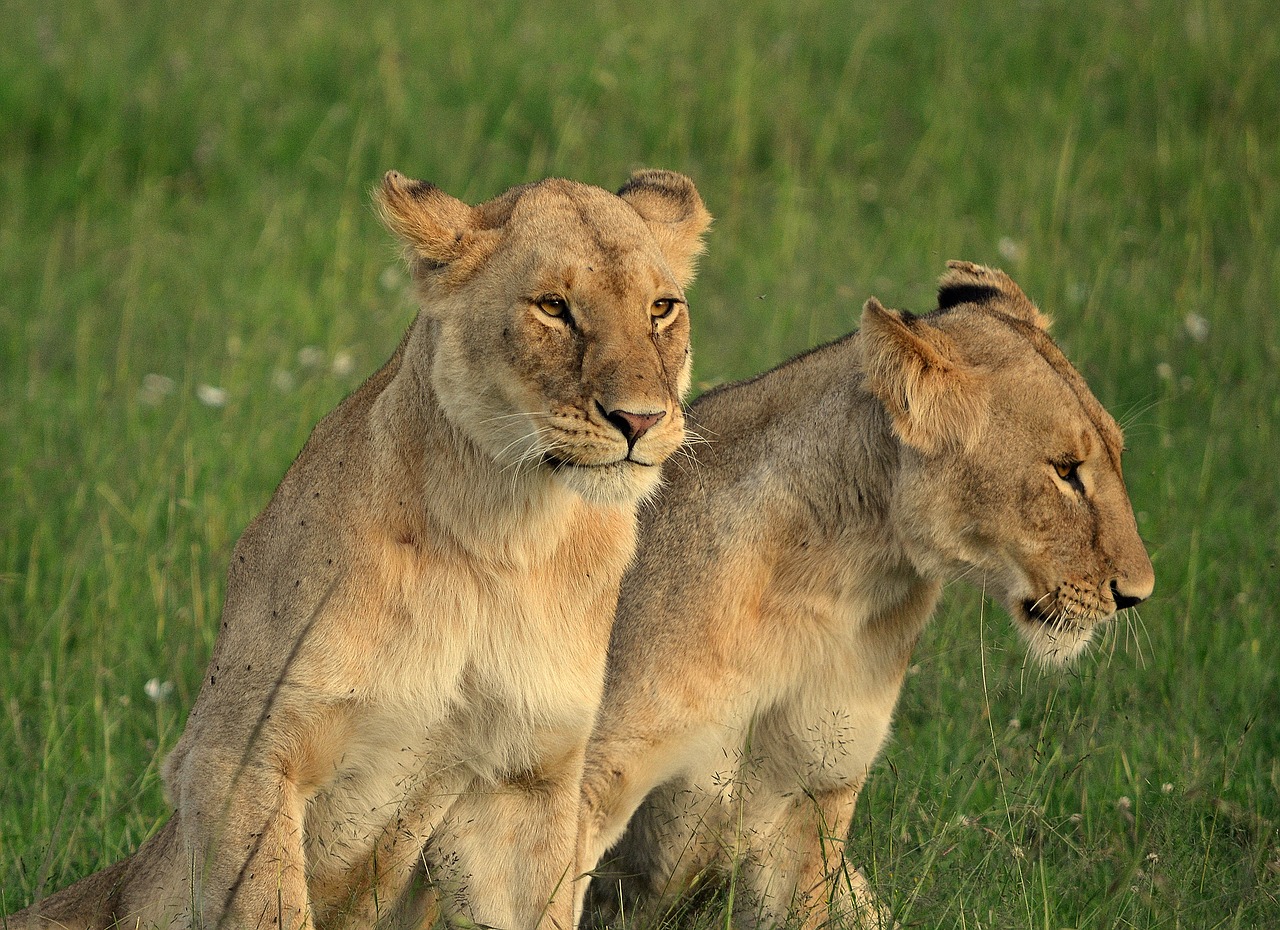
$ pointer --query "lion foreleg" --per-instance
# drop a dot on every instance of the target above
(242, 839)
(793, 862)
(644, 829)
(504, 855)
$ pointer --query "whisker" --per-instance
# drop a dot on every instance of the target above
(1130, 417)
(685, 460)
(531, 454)
(517, 468)
(523, 437)
(513, 416)
(1135, 623)
(692, 438)
(969, 571)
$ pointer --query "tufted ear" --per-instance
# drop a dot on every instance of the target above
(669, 204)
(968, 283)
(431, 223)
(933, 396)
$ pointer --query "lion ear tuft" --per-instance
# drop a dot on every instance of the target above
(670, 205)
(431, 223)
(970, 283)
(933, 396)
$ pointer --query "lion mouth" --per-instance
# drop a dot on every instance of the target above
(1036, 613)
(1059, 617)
(556, 463)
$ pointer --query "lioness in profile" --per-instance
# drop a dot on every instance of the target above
(413, 643)
(785, 574)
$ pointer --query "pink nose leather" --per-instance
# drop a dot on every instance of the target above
(633, 425)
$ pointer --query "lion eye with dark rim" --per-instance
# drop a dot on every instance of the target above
(554, 306)
(663, 308)
(1069, 471)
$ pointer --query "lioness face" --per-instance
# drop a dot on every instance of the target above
(561, 328)
(1039, 505)
(1017, 484)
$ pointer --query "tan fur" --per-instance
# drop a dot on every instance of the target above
(412, 647)
(785, 573)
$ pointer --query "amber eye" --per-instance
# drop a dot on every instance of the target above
(663, 308)
(553, 305)
(1069, 472)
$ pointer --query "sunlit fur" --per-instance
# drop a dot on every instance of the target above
(412, 647)
(788, 566)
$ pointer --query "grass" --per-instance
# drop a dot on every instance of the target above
(183, 194)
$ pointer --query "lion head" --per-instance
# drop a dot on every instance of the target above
(559, 328)
(1011, 467)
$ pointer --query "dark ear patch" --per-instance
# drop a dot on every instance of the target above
(667, 196)
(954, 293)
(970, 283)
(420, 190)
(670, 206)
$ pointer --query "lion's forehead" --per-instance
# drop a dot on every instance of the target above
(1001, 344)
(583, 224)
(592, 283)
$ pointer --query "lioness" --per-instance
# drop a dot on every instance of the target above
(785, 574)
(413, 642)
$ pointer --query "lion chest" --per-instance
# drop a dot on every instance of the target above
(448, 678)
(842, 640)
(446, 666)
(479, 652)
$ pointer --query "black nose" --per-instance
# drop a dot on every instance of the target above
(632, 425)
(1124, 601)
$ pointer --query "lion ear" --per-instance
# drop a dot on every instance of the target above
(932, 395)
(431, 223)
(670, 206)
(968, 283)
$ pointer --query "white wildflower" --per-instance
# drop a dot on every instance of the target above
(343, 363)
(282, 380)
(159, 691)
(1164, 371)
(1011, 250)
(391, 278)
(310, 357)
(211, 396)
(155, 388)
(1197, 326)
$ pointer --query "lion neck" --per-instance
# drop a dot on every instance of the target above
(829, 461)
(451, 492)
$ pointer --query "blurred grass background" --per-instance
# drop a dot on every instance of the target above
(192, 276)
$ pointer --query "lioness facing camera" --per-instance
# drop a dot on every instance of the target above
(413, 642)
(785, 574)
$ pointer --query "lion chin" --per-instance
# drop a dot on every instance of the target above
(1054, 638)
(624, 481)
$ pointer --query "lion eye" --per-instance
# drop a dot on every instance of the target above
(663, 307)
(662, 310)
(553, 305)
(1069, 472)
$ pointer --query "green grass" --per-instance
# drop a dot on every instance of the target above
(183, 192)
